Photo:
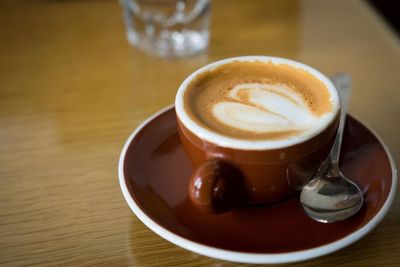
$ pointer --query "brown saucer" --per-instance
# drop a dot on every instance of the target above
(154, 174)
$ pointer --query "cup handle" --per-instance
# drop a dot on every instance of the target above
(216, 186)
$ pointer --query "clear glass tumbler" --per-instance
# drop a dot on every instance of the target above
(168, 28)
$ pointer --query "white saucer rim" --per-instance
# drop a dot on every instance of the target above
(244, 257)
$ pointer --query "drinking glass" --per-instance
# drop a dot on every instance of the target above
(168, 28)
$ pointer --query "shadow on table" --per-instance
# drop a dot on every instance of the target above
(148, 249)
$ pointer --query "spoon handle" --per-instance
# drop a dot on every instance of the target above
(342, 83)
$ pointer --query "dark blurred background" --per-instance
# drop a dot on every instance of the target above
(390, 10)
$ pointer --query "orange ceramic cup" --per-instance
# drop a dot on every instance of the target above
(230, 172)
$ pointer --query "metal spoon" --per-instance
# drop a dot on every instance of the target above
(330, 196)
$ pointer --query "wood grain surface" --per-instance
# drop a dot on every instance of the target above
(72, 90)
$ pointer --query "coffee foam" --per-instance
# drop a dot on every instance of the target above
(257, 100)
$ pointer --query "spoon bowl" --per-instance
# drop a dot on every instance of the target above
(331, 198)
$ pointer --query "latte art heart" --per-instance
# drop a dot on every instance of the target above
(264, 108)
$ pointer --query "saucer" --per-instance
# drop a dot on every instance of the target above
(154, 171)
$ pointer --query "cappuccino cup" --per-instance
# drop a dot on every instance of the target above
(255, 129)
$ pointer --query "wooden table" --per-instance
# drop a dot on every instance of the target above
(72, 90)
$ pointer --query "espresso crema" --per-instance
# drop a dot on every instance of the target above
(257, 100)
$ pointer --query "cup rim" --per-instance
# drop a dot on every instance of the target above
(236, 143)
